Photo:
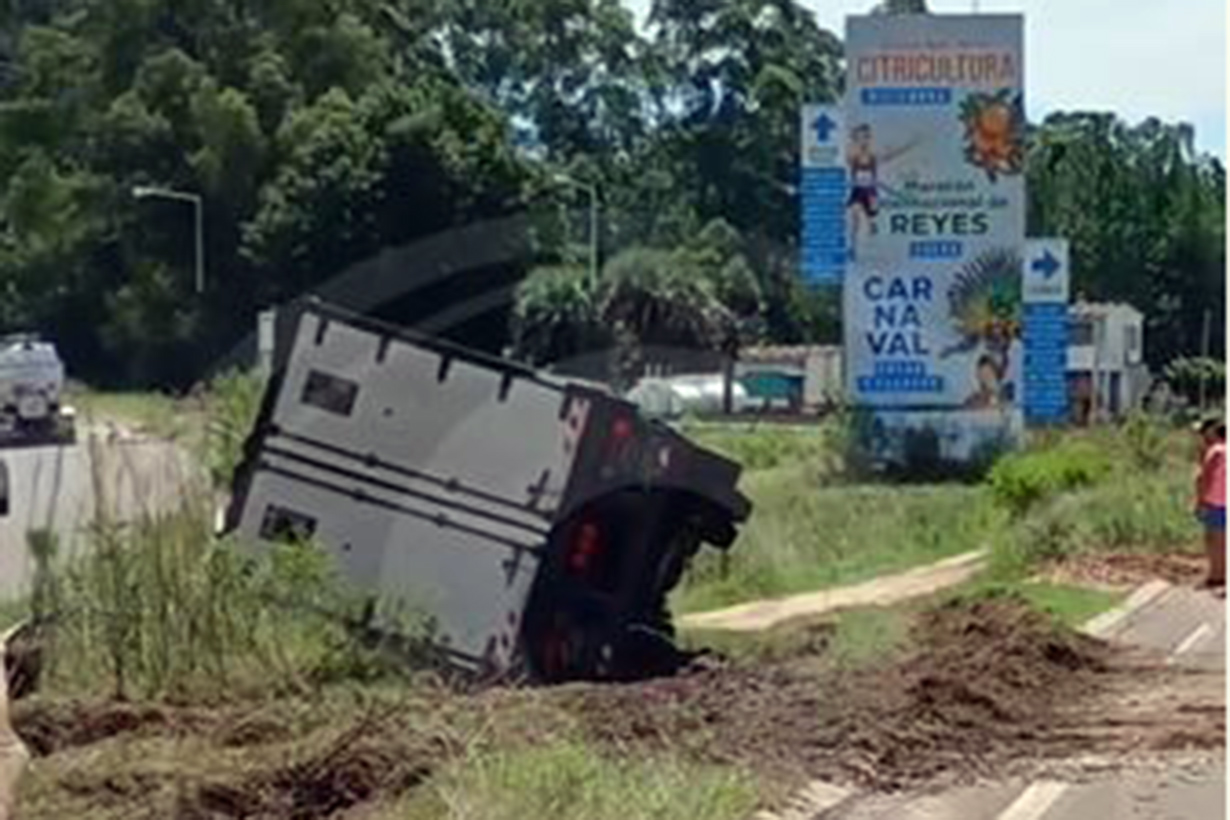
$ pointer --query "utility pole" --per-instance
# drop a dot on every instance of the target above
(146, 192)
(1099, 338)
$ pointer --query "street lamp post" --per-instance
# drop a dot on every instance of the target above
(592, 191)
(146, 192)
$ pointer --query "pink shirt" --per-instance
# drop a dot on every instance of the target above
(1212, 485)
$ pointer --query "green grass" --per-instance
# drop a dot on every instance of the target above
(12, 612)
(1071, 605)
(811, 530)
(866, 634)
(159, 608)
(804, 536)
(154, 413)
(568, 779)
(765, 447)
(1142, 505)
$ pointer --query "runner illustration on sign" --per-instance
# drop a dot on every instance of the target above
(864, 164)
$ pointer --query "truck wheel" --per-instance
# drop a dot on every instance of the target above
(661, 620)
(648, 653)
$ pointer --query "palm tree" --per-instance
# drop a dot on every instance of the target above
(648, 298)
(555, 316)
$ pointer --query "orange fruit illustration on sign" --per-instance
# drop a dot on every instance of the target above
(994, 132)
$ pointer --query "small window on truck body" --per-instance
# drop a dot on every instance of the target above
(286, 526)
(330, 393)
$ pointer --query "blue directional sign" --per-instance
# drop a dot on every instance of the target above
(1046, 264)
(1046, 293)
(823, 126)
(822, 195)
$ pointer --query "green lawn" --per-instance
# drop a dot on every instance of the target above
(812, 529)
(571, 779)
(805, 534)
(156, 413)
(1071, 605)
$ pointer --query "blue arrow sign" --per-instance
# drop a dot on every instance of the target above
(823, 127)
(1048, 265)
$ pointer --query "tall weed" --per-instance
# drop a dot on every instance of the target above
(156, 607)
(232, 403)
(1020, 481)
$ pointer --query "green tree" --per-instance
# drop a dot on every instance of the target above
(1145, 215)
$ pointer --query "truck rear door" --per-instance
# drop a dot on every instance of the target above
(432, 475)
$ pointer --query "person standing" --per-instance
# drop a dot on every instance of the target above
(1211, 498)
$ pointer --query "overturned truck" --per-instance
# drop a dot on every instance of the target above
(539, 524)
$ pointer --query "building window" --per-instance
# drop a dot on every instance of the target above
(1080, 333)
(1131, 343)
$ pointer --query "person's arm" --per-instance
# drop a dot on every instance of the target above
(1204, 477)
(891, 154)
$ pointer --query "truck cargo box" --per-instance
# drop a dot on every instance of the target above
(538, 524)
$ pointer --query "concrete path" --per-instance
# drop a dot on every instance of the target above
(884, 591)
(63, 488)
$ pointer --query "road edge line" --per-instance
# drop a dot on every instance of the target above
(1104, 625)
(1189, 642)
(1035, 801)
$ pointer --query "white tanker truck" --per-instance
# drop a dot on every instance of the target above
(31, 390)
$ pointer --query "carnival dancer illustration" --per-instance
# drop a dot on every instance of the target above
(988, 391)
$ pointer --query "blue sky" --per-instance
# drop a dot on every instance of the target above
(1137, 58)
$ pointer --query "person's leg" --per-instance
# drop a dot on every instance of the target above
(1217, 557)
(1215, 545)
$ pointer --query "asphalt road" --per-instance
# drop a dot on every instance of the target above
(65, 488)
(1190, 626)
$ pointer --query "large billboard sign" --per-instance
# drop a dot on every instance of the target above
(935, 130)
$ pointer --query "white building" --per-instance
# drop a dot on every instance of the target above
(673, 397)
(1106, 349)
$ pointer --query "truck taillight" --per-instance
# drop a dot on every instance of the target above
(621, 430)
(621, 441)
(585, 549)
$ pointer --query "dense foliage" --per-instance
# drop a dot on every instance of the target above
(406, 156)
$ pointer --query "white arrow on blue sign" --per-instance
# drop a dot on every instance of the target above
(1047, 273)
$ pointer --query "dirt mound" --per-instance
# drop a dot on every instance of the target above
(252, 730)
(984, 684)
(358, 766)
(51, 726)
(111, 789)
(981, 681)
(23, 662)
(1130, 569)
